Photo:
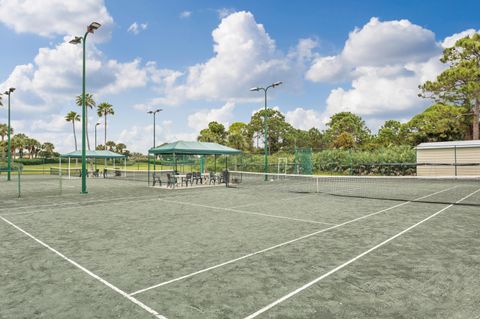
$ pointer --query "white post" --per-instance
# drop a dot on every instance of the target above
(60, 167)
(68, 167)
(113, 163)
(125, 165)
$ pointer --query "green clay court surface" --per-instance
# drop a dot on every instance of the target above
(129, 251)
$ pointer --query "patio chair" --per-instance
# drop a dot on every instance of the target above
(96, 173)
(212, 178)
(171, 180)
(197, 176)
(225, 177)
(187, 179)
(156, 179)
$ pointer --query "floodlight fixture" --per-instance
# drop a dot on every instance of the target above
(76, 40)
(93, 26)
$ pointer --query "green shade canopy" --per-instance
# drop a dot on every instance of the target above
(93, 154)
(193, 148)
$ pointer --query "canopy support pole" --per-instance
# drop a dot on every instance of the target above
(148, 161)
(125, 165)
(60, 166)
(215, 164)
(69, 167)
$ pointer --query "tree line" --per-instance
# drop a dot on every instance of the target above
(344, 130)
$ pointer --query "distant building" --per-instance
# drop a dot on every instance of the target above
(456, 158)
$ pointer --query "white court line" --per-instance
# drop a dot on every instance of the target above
(91, 274)
(291, 294)
(278, 200)
(71, 205)
(281, 244)
(246, 212)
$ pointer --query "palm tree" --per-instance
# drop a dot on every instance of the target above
(4, 131)
(19, 141)
(110, 145)
(103, 109)
(48, 149)
(89, 103)
(73, 117)
(120, 147)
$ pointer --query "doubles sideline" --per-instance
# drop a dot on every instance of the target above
(334, 270)
(231, 261)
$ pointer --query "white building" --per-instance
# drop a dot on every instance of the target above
(456, 158)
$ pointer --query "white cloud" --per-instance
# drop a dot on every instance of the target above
(327, 69)
(244, 56)
(140, 138)
(303, 118)
(384, 63)
(450, 41)
(135, 27)
(199, 120)
(55, 17)
(390, 42)
(185, 14)
(54, 78)
(224, 12)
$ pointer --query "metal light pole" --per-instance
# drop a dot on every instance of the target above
(154, 144)
(265, 90)
(9, 150)
(90, 29)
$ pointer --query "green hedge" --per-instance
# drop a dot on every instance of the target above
(383, 161)
(36, 161)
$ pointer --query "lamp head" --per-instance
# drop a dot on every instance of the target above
(255, 89)
(93, 26)
(158, 110)
(76, 40)
(11, 89)
(277, 83)
(150, 112)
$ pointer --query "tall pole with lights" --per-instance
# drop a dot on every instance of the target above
(265, 122)
(9, 150)
(154, 144)
(77, 40)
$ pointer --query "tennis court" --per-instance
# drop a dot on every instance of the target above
(284, 247)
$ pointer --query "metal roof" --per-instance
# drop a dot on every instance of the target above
(193, 148)
(450, 144)
(93, 154)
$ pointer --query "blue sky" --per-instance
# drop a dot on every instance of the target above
(197, 60)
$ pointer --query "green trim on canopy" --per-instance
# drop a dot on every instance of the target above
(193, 148)
(93, 154)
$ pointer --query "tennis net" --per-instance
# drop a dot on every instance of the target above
(152, 177)
(444, 190)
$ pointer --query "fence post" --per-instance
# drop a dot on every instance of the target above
(455, 158)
